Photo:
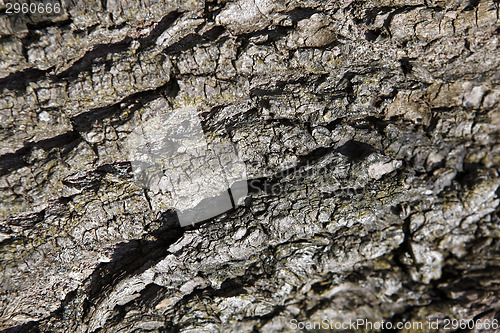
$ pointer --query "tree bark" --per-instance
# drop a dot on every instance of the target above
(369, 135)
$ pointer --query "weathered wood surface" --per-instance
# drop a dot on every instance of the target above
(386, 112)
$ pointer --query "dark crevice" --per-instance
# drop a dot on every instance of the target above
(17, 159)
(20, 80)
(102, 50)
(406, 65)
(99, 50)
(30, 327)
(135, 256)
(301, 13)
(372, 35)
(49, 24)
(27, 221)
(166, 22)
(129, 258)
(194, 39)
(276, 88)
(403, 9)
(355, 150)
(84, 121)
(471, 5)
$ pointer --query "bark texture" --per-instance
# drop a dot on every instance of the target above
(369, 131)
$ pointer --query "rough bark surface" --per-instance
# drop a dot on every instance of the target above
(369, 130)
